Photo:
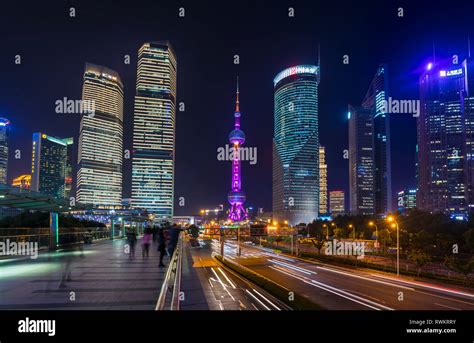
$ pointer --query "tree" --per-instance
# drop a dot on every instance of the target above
(459, 265)
(420, 258)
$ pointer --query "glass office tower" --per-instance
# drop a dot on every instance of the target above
(296, 145)
(99, 176)
(4, 136)
(376, 95)
(49, 169)
(323, 181)
(154, 126)
(446, 139)
(361, 161)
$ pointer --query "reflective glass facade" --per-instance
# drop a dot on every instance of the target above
(376, 95)
(445, 139)
(361, 161)
(49, 165)
(4, 137)
(296, 145)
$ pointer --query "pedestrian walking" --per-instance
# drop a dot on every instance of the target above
(146, 241)
(161, 246)
(132, 240)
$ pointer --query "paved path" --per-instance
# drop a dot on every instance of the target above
(102, 277)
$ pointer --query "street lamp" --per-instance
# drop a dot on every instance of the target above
(394, 224)
(353, 231)
(376, 230)
(327, 231)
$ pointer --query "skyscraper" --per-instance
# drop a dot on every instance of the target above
(236, 196)
(370, 181)
(406, 199)
(377, 94)
(154, 130)
(445, 131)
(296, 145)
(336, 203)
(4, 136)
(49, 170)
(361, 161)
(99, 176)
(323, 181)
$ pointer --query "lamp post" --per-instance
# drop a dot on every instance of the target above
(353, 231)
(327, 231)
(392, 220)
(376, 230)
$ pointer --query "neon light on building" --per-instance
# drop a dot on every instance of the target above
(236, 196)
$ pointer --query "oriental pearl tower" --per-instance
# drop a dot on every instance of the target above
(236, 196)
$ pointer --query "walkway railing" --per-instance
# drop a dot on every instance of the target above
(169, 298)
(41, 236)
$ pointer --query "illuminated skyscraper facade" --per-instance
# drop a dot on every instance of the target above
(336, 203)
(377, 94)
(361, 161)
(296, 145)
(154, 126)
(4, 137)
(370, 181)
(323, 181)
(99, 176)
(49, 169)
(445, 131)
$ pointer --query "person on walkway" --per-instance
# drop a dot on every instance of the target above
(146, 241)
(132, 240)
(161, 246)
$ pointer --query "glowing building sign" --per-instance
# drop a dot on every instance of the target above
(301, 69)
(453, 72)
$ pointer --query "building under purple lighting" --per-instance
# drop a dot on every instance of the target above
(236, 196)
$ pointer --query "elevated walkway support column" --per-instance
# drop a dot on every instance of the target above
(53, 230)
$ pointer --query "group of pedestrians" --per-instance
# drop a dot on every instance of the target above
(151, 235)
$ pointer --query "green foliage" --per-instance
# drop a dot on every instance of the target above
(420, 258)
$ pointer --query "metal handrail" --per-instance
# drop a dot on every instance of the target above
(172, 282)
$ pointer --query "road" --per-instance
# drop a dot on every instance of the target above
(226, 290)
(338, 288)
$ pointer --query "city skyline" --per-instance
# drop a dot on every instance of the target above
(338, 173)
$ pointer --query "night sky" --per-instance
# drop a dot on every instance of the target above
(54, 49)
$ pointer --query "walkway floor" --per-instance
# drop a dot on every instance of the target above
(101, 277)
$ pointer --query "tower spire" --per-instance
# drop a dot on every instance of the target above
(237, 97)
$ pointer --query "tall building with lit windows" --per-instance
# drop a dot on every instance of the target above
(49, 164)
(361, 161)
(99, 176)
(370, 181)
(154, 126)
(337, 203)
(377, 94)
(4, 138)
(445, 131)
(296, 145)
(323, 181)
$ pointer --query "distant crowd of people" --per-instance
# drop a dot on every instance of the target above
(166, 238)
